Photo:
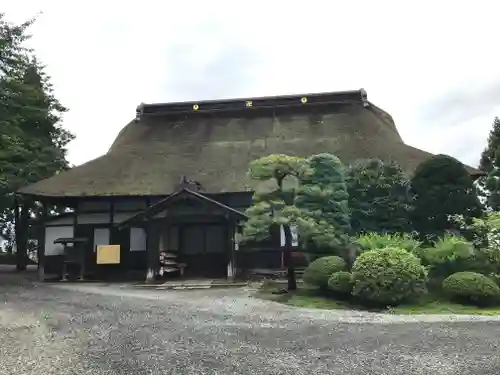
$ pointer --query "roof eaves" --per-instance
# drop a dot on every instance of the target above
(159, 206)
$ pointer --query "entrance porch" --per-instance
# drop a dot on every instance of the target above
(189, 235)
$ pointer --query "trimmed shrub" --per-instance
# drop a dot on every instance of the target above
(471, 287)
(388, 276)
(319, 271)
(372, 241)
(340, 282)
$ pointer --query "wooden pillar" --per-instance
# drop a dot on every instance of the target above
(231, 264)
(112, 212)
(41, 242)
(292, 282)
(84, 249)
(153, 255)
(21, 215)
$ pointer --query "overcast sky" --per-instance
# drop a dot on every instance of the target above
(434, 66)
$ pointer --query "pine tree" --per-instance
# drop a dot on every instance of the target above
(442, 188)
(379, 197)
(490, 164)
(275, 207)
(487, 161)
(492, 183)
(323, 198)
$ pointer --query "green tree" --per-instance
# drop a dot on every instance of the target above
(491, 183)
(379, 197)
(32, 139)
(487, 160)
(277, 206)
(323, 198)
(442, 188)
(490, 165)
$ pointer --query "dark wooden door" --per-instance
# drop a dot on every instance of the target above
(122, 237)
(203, 249)
(87, 231)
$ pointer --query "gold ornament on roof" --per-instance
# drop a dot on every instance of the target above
(196, 107)
(248, 103)
(303, 100)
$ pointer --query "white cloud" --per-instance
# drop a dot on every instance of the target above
(432, 65)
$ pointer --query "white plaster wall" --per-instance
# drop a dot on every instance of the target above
(137, 239)
(53, 233)
(101, 237)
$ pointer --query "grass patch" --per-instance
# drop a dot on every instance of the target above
(316, 302)
(306, 297)
(445, 307)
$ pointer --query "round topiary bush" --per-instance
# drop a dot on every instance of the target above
(471, 287)
(388, 276)
(340, 282)
(319, 271)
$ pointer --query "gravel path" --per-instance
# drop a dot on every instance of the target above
(104, 329)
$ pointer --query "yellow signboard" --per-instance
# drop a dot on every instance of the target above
(108, 254)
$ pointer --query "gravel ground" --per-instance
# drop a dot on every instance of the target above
(112, 329)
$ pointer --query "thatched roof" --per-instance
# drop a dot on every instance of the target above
(213, 142)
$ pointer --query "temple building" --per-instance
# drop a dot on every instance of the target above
(171, 192)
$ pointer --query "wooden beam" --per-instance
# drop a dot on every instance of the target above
(75, 218)
(83, 258)
(41, 242)
(231, 267)
(153, 256)
(111, 212)
(21, 232)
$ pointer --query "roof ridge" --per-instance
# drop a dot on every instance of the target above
(252, 103)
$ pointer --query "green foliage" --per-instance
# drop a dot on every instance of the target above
(449, 248)
(495, 277)
(471, 287)
(372, 241)
(323, 201)
(379, 197)
(324, 230)
(32, 141)
(260, 219)
(492, 183)
(340, 283)
(278, 167)
(483, 232)
(449, 254)
(442, 188)
(485, 235)
(490, 164)
(388, 276)
(275, 207)
(319, 271)
(486, 162)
